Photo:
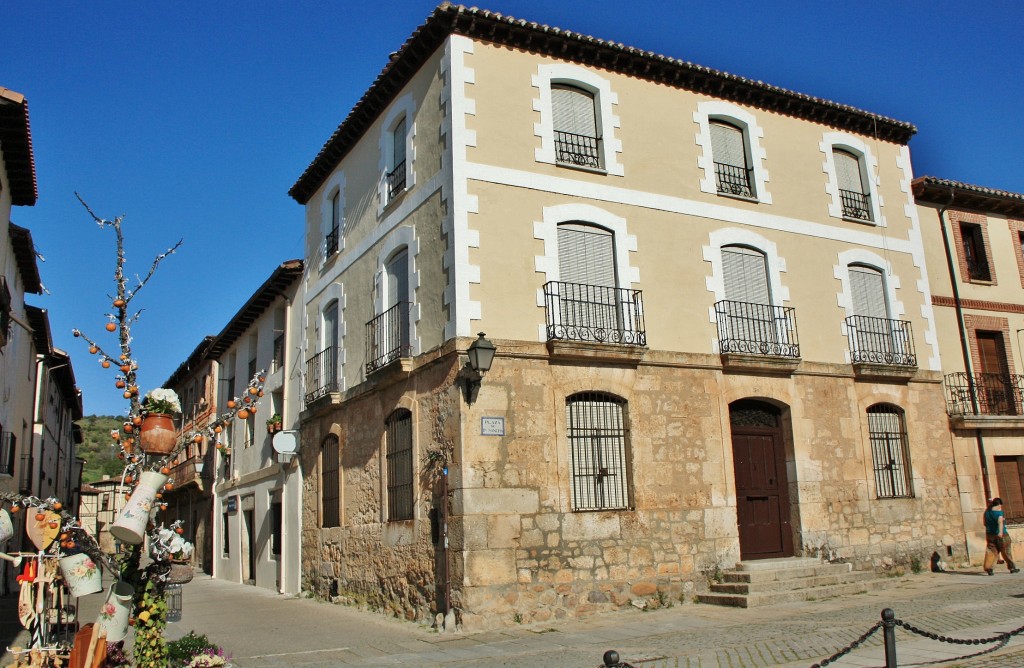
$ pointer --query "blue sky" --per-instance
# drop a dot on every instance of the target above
(194, 119)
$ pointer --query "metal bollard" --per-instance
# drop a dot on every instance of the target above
(889, 633)
(611, 660)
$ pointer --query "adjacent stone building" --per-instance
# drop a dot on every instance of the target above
(715, 340)
(974, 237)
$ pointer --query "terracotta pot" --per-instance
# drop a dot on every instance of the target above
(158, 436)
(130, 525)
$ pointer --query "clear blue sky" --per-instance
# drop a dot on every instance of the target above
(194, 119)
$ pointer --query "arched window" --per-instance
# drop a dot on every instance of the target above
(729, 152)
(596, 429)
(330, 482)
(398, 453)
(890, 451)
(855, 197)
(577, 134)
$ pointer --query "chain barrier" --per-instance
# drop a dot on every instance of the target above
(887, 616)
(849, 648)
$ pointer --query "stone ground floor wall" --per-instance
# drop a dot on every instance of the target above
(518, 550)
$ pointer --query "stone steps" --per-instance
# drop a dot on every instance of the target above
(774, 581)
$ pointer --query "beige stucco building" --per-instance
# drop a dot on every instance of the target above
(974, 238)
(714, 334)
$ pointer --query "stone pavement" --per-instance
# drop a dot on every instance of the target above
(264, 629)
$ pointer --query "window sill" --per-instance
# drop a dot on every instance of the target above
(392, 203)
(582, 168)
(862, 221)
(742, 198)
(979, 281)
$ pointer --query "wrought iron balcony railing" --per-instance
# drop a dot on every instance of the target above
(757, 329)
(396, 180)
(977, 268)
(387, 337)
(578, 312)
(881, 341)
(855, 205)
(321, 374)
(733, 180)
(997, 393)
(331, 242)
(580, 150)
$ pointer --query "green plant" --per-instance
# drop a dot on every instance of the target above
(915, 564)
(273, 419)
(181, 651)
(517, 618)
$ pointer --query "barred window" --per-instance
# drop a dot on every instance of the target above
(330, 482)
(398, 438)
(597, 451)
(890, 451)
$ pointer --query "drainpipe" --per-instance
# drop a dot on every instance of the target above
(964, 349)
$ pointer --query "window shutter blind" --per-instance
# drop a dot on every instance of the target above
(745, 275)
(868, 292)
(848, 171)
(398, 279)
(586, 255)
(398, 139)
(727, 145)
(331, 326)
(573, 111)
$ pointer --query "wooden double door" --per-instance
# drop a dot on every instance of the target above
(762, 487)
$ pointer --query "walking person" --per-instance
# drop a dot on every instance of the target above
(997, 538)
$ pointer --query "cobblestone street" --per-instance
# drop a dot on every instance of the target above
(262, 629)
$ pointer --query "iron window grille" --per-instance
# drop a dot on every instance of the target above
(881, 341)
(387, 337)
(733, 179)
(597, 451)
(8, 447)
(855, 204)
(5, 312)
(331, 242)
(330, 482)
(890, 452)
(996, 393)
(321, 374)
(396, 180)
(576, 149)
(578, 312)
(398, 441)
(757, 329)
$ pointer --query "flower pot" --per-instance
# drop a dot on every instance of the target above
(130, 525)
(82, 574)
(116, 610)
(158, 436)
(181, 573)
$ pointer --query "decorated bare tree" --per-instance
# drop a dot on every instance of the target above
(148, 443)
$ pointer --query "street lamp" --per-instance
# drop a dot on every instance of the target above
(481, 356)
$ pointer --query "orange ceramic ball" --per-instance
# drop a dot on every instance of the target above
(127, 394)
(54, 524)
(58, 505)
(165, 470)
(105, 364)
(119, 384)
(179, 531)
(15, 509)
(40, 517)
(111, 327)
(93, 349)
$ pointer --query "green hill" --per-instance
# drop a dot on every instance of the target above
(97, 448)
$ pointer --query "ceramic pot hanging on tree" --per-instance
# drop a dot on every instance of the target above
(158, 436)
(130, 525)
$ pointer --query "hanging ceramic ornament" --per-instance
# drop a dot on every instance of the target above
(43, 531)
(6, 525)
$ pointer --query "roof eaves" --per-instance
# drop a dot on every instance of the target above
(16, 139)
(487, 26)
(282, 277)
(25, 256)
(960, 195)
(39, 321)
(191, 363)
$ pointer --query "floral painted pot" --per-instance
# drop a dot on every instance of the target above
(130, 525)
(158, 434)
(6, 525)
(82, 574)
(116, 610)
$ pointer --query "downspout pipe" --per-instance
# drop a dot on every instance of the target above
(972, 388)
